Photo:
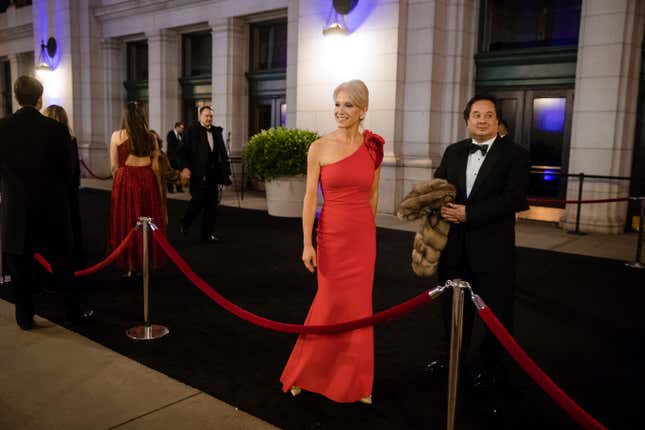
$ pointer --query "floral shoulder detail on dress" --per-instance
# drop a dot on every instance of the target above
(374, 144)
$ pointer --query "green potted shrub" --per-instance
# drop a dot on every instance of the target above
(278, 156)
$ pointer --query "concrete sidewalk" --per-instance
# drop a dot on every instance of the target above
(53, 378)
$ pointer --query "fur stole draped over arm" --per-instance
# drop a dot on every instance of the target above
(425, 201)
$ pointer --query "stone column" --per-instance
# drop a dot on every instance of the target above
(164, 62)
(88, 74)
(604, 110)
(230, 88)
(15, 72)
(19, 64)
(439, 78)
(76, 81)
(229, 83)
(292, 62)
(113, 51)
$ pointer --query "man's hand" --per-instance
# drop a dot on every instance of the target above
(185, 174)
(454, 213)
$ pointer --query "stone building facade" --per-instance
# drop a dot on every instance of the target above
(421, 59)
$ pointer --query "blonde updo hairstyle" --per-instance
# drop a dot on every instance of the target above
(58, 113)
(357, 92)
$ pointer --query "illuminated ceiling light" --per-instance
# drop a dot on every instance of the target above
(336, 28)
(47, 53)
(336, 23)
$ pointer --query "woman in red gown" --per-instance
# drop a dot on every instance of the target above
(347, 164)
(135, 190)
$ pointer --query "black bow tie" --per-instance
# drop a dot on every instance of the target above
(473, 147)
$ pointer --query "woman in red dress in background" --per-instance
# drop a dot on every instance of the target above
(347, 164)
(135, 190)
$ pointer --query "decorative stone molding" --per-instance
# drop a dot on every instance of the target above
(127, 9)
(18, 32)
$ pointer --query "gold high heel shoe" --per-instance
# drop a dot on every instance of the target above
(366, 400)
(295, 390)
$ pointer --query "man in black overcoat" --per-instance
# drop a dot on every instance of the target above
(174, 139)
(36, 170)
(491, 176)
(205, 161)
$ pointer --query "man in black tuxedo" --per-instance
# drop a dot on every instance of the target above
(36, 170)
(205, 161)
(174, 139)
(491, 176)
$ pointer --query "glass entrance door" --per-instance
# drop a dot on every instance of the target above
(267, 112)
(540, 121)
(548, 131)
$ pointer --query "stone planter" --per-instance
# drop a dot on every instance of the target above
(284, 195)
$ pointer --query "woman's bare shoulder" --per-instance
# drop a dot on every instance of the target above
(119, 136)
(326, 141)
(317, 144)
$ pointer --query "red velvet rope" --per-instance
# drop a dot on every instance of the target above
(568, 202)
(40, 259)
(92, 174)
(392, 312)
(98, 266)
(578, 414)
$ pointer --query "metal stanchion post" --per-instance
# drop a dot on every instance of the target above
(639, 244)
(458, 287)
(581, 179)
(147, 331)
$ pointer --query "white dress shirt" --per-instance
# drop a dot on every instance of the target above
(475, 161)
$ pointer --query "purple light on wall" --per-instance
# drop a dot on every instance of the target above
(355, 18)
(548, 114)
(283, 115)
(549, 175)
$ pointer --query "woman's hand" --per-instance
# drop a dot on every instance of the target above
(309, 258)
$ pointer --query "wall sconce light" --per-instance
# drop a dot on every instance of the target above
(47, 53)
(336, 23)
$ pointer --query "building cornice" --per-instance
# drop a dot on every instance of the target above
(128, 8)
(18, 32)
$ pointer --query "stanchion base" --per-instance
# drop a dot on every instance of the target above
(577, 233)
(635, 265)
(147, 332)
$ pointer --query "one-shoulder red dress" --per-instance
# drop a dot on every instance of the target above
(135, 193)
(341, 366)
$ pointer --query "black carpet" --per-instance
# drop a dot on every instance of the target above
(580, 318)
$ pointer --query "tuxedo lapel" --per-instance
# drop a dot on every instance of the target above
(462, 163)
(494, 155)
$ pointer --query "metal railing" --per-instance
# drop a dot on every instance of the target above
(537, 170)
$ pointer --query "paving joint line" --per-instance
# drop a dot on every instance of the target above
(155, 410)
(566, 242)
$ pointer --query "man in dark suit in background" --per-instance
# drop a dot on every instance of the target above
(36, 170)
(174, 139)
(491, 176)
(205, 161)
